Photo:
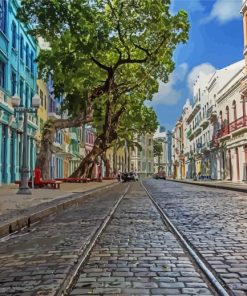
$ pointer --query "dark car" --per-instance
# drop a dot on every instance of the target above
(160, 175)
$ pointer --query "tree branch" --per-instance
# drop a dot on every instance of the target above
(102, 66)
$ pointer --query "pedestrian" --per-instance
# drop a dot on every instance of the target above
(119, 176)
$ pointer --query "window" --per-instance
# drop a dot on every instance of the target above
(27, 92)
(13, 83)
(2, 74)
(3, 15)
(31, 97)
(22, 91)
(45, 102)
(14, 35)
(27, 55)
(22, 47)
(32, 62)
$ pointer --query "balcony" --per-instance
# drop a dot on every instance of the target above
(197, 131)
(212, 114)
(196, 108)
(238, 125)
(189, 133)
(205, 122)
(206, 147)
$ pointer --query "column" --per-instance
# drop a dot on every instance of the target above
(14, 156)
(19, 155)
(0, 154)
(29, 154)
(237, 163)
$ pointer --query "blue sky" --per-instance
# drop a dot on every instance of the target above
(216, 40)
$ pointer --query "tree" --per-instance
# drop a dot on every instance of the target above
(99, 48)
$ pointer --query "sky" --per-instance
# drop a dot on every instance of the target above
(215, 41)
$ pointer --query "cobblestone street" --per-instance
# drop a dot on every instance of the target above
(37, 260)
(214, 221)
(138, 255)
(135, 255)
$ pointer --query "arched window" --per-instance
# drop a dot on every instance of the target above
(227, 115)
(27, 55)
(3, 15)
(221, 118)
(32, 62)
(234, 110)
(22, 47)
(14, 35)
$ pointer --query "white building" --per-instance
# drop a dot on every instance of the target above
(142, 160)
(161, 162)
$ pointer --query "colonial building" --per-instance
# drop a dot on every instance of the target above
(142, 160)
(230, 135)
(198, 130)
(161, 161)
(18, 75)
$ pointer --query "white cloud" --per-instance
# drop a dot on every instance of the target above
(195, 5)
(188, 5)
(225, 11)
(168, 94)
(202, 69)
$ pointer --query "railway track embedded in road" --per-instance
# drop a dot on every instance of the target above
(213, 280)
(66, 286)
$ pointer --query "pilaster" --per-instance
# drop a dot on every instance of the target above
(15, 154)
(1, 154)
(7, 155)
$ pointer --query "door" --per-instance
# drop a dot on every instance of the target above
(4, 155)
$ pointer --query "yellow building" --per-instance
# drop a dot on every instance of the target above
(117, 160)
(42, 114)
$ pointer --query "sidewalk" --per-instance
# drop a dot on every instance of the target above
(234, 186)
(16, 210)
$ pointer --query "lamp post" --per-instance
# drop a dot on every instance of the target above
(24, 188)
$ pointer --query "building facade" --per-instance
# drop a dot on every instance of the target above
(18, 75)
(161, 162)
(142, 160)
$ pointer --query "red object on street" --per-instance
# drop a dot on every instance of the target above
(37, 177)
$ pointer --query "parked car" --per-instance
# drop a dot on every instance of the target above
(160, 175)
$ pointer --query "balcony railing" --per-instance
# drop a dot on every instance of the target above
(230, 128)
(237, 124)
(189, 133)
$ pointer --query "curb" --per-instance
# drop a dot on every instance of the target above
(226, 187)
(28, 219)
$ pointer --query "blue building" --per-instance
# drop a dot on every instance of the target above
(18, 75)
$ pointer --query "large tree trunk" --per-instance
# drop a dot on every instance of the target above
(107, 165)
(101, 143)
(48, 137)
(86, 166)
(115, 170)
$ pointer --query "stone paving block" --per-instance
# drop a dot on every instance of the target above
(145, 254)
(214, 221)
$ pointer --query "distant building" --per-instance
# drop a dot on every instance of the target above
(161, 162)
(142, 160)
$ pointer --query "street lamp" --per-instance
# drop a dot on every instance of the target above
(24, 188)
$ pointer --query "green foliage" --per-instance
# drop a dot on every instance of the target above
(108, 53)
(157, 148)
